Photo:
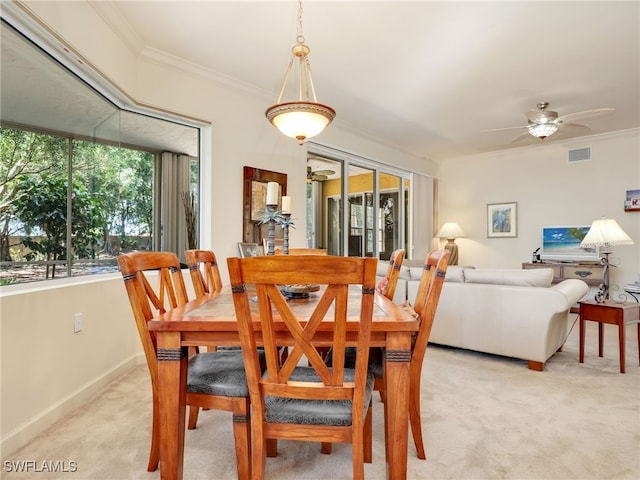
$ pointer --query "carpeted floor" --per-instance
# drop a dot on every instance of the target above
(484, 417)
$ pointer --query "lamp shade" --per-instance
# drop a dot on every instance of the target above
(451, 230)
(605, 232)
(300, 120)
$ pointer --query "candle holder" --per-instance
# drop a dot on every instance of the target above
(285, 232)
(271, 234)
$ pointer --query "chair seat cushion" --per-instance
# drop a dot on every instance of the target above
(376, 355)
(219, 373)
(313, 412)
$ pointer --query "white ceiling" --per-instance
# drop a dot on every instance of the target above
(424, 76)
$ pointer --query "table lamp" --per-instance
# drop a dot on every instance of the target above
(605, 233)
(451, 231)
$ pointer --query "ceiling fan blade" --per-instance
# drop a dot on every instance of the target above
(571, 130)
(324, 172)
(524, 139)
(501, 129)
(592, 114)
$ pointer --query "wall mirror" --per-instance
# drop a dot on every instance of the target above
(255, 194)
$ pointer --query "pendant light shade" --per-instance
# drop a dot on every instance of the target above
(305, 117)
(300, 120)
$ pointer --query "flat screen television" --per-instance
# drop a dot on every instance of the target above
(561, 243)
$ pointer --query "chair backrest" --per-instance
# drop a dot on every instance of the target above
(276, 314)
(204, 271)
(148, 302)
(303, 251)
(387, 286)
(427, 298)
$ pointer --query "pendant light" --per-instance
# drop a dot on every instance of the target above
(303, 118)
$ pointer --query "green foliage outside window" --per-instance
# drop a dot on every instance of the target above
(111, 200)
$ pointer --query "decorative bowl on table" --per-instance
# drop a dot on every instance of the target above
(298, 290)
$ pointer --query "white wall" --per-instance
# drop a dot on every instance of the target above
(548, 191)
(47, 369)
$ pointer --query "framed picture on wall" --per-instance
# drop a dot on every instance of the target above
(632, 201)
(502, 220)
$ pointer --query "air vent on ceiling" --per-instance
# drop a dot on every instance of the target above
(580, 154)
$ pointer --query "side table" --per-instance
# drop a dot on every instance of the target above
(619, 314)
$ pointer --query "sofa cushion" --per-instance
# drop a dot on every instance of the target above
(455, 274)
(538, 277)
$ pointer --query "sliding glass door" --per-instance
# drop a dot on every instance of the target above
(376, 197)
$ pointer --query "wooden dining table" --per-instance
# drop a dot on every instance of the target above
(211, 319)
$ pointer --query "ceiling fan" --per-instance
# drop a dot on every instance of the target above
(542, 123)
(318, 175)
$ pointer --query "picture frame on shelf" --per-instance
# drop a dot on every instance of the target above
(502, 220)
(249, 250)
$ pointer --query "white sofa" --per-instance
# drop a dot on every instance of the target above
(510, 312)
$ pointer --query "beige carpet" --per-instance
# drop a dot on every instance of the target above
(485, 417)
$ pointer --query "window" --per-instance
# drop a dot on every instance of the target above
(82, 179)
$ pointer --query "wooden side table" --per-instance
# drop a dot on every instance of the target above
(620, 314)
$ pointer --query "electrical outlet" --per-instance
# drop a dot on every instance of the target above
(77, 323)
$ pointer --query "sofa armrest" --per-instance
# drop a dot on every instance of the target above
(573, 289)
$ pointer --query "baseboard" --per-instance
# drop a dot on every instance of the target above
(28, 431)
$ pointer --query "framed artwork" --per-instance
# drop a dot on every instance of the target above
(632, 202)
(249, 250)
(502, 220)
(254, 201)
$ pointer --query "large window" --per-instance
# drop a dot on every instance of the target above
(82, 179)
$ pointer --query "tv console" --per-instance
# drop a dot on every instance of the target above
(590, 272)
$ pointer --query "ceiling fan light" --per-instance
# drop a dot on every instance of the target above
(300, 120)
(542, 130)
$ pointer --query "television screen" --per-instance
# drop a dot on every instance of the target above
(562, 244)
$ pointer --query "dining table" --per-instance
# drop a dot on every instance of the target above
(211, 320)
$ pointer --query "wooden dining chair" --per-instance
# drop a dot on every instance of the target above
(205, 278)
(215, 379)
(387, 286)
(424, 309)
(290, 401)
(204, 271)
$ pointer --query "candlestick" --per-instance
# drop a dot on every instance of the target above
(272, 193)
(286, 204)
(271, 232)
(285, 231)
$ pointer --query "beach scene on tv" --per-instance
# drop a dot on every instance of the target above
(565, 242)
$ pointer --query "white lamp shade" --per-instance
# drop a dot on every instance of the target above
(300, 120)
(451, 230)
(605, 232)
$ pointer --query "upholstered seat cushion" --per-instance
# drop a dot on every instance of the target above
(375, 359)
(313, 412)
(219, 373)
